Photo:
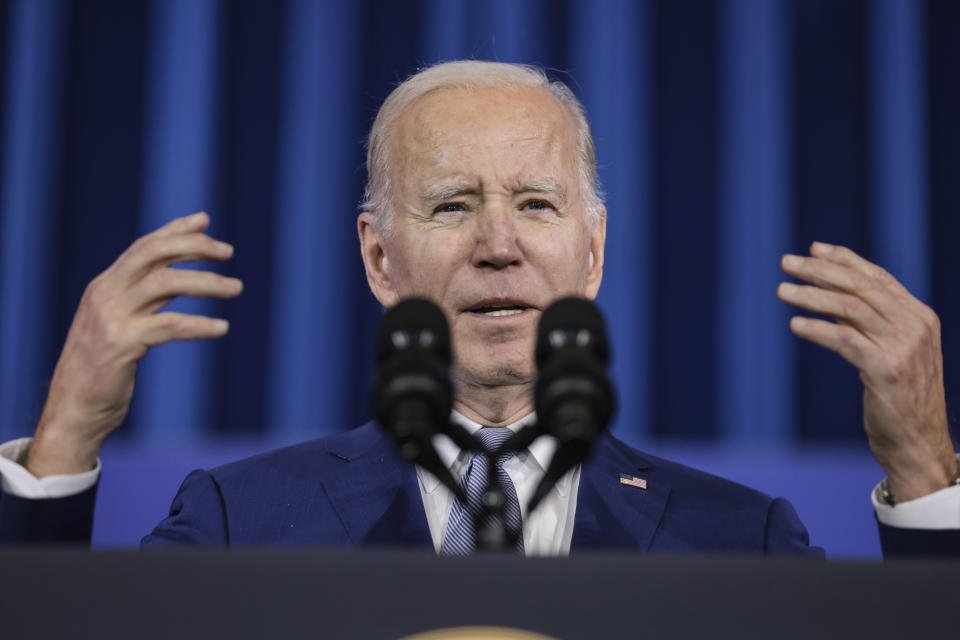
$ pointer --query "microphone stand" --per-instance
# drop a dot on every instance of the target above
(490, 523)
(493, 534)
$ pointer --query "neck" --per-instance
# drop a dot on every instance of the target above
(494, 406)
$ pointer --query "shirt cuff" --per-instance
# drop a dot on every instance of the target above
(938, 510)
(17, 481)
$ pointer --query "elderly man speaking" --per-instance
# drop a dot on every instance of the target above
(482, 197)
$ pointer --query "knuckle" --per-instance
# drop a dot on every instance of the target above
(849, 339)
(143, 244)
(921, 332)
(201, 243)
(153, 245)
(877, 272)
(870, 277)
(895, 375)
(170, 322)
(97, 292)
(866, 281)
(930, 318)
(876, 361)
(852, 307)
(896, 370)
(113, 332)
(164, 279)
(93, 290)
(171, 325)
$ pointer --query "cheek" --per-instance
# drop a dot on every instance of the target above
(429, 262)
(569, 264)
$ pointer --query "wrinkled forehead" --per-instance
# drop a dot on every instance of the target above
(516, 124)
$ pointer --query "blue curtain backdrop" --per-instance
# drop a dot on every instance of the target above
(728, 132)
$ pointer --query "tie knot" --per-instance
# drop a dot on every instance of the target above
(493, 438)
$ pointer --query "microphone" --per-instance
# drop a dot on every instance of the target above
(412, 396)
(573, 396)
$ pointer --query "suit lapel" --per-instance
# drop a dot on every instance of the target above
(377, 497)
(376, 494)
(612, 515)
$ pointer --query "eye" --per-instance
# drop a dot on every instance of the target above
(537, 205)
(450, 207)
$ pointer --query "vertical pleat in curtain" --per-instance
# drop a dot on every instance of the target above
(900, 229)
(174, 384)
(34, 56)
(614, 83)
(314, 224)
(755, 214)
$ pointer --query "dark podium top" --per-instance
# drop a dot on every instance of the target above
(297, 594)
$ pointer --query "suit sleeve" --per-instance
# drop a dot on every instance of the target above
(918, 543)
(785, 533)
(67, 520)
(928, 526)
(197, 516)
(50, 510)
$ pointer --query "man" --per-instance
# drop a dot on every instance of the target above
(482, 197)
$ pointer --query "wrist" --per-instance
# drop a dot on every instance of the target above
(911, 481)
(56, 449)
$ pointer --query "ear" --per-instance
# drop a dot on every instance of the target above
(374, 253)
(597, 241)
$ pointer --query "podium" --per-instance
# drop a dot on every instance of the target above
(57, 593)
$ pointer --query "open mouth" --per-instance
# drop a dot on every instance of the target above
(498, 310)
(499, 313)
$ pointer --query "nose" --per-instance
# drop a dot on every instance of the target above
(497, 242)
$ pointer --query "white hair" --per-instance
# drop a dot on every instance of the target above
(471, 74)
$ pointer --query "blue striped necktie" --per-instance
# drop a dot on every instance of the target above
(461, 536)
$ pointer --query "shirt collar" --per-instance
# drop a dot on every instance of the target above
(542, 449)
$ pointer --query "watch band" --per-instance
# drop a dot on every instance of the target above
(887, 498)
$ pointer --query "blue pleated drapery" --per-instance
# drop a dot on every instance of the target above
(728, 133)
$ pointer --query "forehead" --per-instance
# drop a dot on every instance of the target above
(457, 126)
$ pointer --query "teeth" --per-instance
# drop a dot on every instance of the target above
(496, 313)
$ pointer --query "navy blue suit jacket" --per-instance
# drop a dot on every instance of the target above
(352, 490)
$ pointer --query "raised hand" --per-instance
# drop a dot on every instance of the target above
(893, 339)
(116, 323)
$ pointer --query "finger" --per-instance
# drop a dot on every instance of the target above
(193, 223)
(163, 285)
(153, 251)
(168, 326)
(836, 277)
(852, 345)
(841, 306)
(847, 257)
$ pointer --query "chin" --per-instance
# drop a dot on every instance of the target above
(496, 373)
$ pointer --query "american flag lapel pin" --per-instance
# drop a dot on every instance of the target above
(633, 481)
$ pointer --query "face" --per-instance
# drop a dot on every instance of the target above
(488, 221)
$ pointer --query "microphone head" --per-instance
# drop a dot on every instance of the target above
(414, 323)
(572, 322)
(412, 395)
(573, 396)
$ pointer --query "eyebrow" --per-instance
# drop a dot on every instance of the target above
(545, 186)
(446, 191)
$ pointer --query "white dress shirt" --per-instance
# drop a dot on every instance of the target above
(547, 532)
(17, 481)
